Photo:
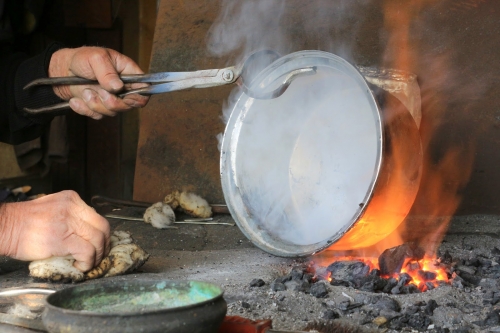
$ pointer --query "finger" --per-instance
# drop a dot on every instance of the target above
(123, 64)
(79, 106)
(105, 70)
(101, 224)
(91, 222)
(112, 102)
(136, 100)
(93, 102)
(82, 251)
(95, 237)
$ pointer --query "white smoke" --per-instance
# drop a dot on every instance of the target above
(287, 183)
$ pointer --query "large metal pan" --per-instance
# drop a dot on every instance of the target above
(132, 306)
(333, 162)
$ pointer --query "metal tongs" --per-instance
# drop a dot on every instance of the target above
(172, 81)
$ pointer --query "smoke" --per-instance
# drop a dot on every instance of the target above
(286, 152)
(413, 36)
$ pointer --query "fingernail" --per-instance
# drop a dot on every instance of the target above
(103, 94)
(116, 84)
(87, 95)
(130, 102)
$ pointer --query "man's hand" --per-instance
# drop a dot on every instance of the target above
(103, 65)
(59, 224)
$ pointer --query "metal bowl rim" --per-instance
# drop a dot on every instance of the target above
(131, 314)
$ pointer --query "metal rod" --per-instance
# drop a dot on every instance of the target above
(99, 201)
(206, 223)
(25, 291)
(201, 221)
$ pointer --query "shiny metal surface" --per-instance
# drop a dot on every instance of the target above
(298, 172)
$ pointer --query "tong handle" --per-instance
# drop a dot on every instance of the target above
(161, 77)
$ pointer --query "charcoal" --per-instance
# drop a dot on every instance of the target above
(470, 308)
(429, 285)
(297, 273)
(473, 262)
(348, 270)
(344, 305)
(413, 266)
(322, 273)
(391, 283)
(492, 319)
(387, 303)
(426, 275)
(419, 321)
(396, 324)
(354, 306)
(371, 283)
(245, 305)
(277, 286)
(257, 283)
(462, 330)
(495, 251)
(375, 272)
(308, 277)
(466, 269)
(485, 263)
(396, 290)
(488, 283)
(389, 314)
(446, 258)
(413, 289)
(341, 283)
(330, 314)
(294, 285)
(472, 279)
(319, 290)
(347, 306)
(458, 282)
(412, 309)
(430, 307)
(391, 260)
(404, 279)
(405, 290)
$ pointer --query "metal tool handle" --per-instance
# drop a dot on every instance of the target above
(127, 78)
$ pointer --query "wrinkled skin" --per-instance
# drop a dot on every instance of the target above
(103, 65)
(56, 225)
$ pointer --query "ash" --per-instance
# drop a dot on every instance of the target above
(296, 298)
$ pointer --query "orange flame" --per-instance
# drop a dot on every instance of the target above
(445, 173)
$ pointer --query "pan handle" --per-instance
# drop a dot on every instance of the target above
(25, 291)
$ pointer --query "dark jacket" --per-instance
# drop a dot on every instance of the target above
(16, 70)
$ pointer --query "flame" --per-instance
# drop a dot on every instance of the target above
(446, 166)
(422, 272)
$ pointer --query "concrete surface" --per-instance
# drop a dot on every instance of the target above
(222, 255)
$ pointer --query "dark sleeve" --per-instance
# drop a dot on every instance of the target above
(16, 70)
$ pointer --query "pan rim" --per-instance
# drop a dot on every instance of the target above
(81, 313)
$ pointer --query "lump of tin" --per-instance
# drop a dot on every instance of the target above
(160, 215)
(190, 203)
(125, 256)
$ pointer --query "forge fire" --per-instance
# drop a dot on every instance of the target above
(405, 269)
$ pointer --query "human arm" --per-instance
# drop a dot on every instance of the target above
(59, 224)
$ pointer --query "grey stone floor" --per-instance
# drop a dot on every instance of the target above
(221, 254)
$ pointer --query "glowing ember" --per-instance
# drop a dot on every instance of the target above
(424, 274)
